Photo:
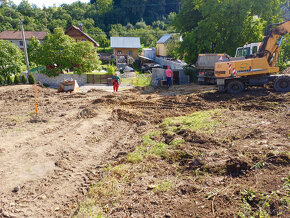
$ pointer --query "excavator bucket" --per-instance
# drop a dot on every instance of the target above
(68, 86)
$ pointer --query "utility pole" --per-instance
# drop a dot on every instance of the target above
(25, 48)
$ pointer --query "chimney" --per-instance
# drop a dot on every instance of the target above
(81, 26)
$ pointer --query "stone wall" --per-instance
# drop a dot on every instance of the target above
(54, 81)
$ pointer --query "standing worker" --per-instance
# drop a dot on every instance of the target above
(169, 73)
(116, 81)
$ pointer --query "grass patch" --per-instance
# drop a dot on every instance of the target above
(176, 142)
(163, 186)
(141, 80)
(89, 209)
(108, 192)
(199, 121)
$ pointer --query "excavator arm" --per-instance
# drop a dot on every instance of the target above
(270, 48)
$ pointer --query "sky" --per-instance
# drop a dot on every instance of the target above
(47, 3)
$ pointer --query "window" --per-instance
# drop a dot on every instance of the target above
(255, 49)
(21, 43)
(240, 52)
(83, 40)
(247, 51)
(130, 53)
(119, 52)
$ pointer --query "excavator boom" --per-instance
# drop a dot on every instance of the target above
(270, 48)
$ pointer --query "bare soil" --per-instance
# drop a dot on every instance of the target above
(49, 161)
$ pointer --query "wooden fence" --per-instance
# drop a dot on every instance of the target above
(99, 79)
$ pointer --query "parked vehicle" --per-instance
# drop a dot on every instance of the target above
(205, 65)
(258, 70)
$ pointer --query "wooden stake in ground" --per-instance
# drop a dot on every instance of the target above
(35, 98)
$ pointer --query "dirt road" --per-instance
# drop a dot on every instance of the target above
(49, 161)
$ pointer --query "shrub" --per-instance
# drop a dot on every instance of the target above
(9, 80)
(31, 79)
(16, 79)
(23, 79)
(2, 81)
(110, 70)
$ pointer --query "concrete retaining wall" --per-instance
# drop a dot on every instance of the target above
(54, 81)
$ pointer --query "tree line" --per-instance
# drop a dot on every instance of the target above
(220, 26)
(100, 18)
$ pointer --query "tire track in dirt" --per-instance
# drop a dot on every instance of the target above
(75, 167)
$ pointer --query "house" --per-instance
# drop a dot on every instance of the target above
(78, 34)
(16, 36)
(161, 45)
(125, 46)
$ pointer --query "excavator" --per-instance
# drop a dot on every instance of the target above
(258, 69)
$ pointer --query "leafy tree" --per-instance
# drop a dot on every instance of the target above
(141, 24)
(11, 59)
(55, 52)
(173, 47)
(283, 61)
(213, 26)
(33, 51)
(84, 57)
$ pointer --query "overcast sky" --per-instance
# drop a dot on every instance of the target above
(47, 3)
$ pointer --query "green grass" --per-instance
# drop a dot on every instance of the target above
(163, 186)
(88, 209)
(141, 80)
(199, 121)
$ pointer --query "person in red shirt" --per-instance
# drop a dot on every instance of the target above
(116, 81)
(169, 74)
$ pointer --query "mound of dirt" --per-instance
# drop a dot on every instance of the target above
(87, 113)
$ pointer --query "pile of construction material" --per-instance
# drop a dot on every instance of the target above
(68, 86)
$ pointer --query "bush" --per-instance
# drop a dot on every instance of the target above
(23, 79)
(16, 79)
(192, 72)
(110, 70)
(31, 79)
(9, 80)
(2, 81)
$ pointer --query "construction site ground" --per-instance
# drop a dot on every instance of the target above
(186, 151)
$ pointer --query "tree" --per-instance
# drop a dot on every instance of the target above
(173, 47)
(11, 59)
(284, 57)
(100, 36)
(33, 51)
(84, 57)
(221, 26)
(141, 24)
(55, 52)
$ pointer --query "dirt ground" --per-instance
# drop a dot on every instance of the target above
(50, 161)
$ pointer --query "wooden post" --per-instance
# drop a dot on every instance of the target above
(25, 48)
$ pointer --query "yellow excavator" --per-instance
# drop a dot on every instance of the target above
(256, 70)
